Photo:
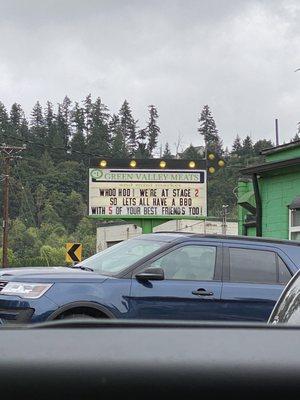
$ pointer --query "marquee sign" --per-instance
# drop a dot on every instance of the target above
(151, 193)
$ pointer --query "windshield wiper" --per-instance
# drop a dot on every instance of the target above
(82, 267)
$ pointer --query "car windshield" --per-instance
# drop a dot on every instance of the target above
(117, 258)
(165, 134)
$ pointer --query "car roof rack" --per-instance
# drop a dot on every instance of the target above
(233, 237)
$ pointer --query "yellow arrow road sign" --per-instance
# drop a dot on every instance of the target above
(74, 252)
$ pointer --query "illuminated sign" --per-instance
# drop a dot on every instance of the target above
(128, 193)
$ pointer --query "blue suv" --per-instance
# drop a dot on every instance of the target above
(157, 276)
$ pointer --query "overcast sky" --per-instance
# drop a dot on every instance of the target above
(236, 56)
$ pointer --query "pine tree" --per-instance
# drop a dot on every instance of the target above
(296, 137)
(16, 119)
(247, 149)
(142, 151)
(128, 127)
(24, 130)
(50, 122)
(152, 129)
(4, 125)
(261, 145)
(237, 146)
(209, 131)
(59, 137)
(167, 152)
(38, 128)
(78, 147)
(118, 147)
(38, 132)
(99, 139)
(63, 120)
(78, 142)
(88, 117)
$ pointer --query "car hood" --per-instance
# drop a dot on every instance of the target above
(50, 274)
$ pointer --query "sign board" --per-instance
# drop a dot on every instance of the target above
(168, 194)
(74, 252)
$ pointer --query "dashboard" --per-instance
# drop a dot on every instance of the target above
(90, 360)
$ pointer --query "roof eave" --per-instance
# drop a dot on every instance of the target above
(271, 166)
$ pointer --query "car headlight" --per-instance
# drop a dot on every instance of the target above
(26, 290)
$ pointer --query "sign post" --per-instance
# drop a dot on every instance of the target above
(148, 192)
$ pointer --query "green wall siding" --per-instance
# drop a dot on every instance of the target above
(277, 192)
(277, 188)
(251, 231)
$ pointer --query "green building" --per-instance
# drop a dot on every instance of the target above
(269, 195)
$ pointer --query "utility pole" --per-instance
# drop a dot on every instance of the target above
(224, 219)
(9, 152)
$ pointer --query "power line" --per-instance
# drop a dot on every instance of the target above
(21, 211)
(25, 196)
(189, 226)
(46, 146)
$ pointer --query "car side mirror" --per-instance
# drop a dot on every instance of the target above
(151, 274)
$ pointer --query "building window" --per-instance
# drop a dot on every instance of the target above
(295, 224)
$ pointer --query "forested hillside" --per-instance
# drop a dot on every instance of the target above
(48, 185)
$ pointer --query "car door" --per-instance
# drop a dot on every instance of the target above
(191, 288)
(253, 279)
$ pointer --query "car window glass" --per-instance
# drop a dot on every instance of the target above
(289, 308)
(189, 263)
(114, 259)
(248, 265)
(284, 274)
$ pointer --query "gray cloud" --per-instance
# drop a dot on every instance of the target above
(239, 57)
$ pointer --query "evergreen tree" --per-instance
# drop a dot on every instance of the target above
(99, 139)
(23, 129)
(16, 118)
(128, 127)
(209, 131)
(118, 147)
(261, 145)
(57, 140)
(40, 201)
(142, 150)
(88, 115)
(50, 122)
(37, 132)
(76, 210)
(78, 142)
(167, 152)
(152, 129)
(247, 149)
(63, 122)
(38, 128)
(4, 125)
(16, 128)
(237, 146)
(78, 147)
